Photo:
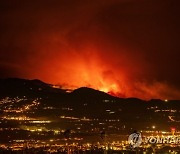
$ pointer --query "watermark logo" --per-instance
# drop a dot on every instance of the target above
(162, 140)
(135, 140)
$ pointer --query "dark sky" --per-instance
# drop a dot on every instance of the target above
(128, 47)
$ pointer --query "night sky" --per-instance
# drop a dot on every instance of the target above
(130, 48)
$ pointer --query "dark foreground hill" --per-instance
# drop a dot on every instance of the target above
(87, 102)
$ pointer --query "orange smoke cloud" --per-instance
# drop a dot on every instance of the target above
(127, 48)
(104, 69)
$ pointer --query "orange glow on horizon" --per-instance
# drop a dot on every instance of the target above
(88, 69)
(116, 75)
(110, 69)
(123, 52)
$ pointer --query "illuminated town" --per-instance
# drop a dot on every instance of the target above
(32, 124)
